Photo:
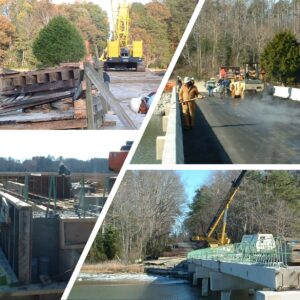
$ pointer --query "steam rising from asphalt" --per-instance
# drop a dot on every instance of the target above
(267, 109)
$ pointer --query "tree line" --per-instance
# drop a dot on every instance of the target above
(266, 202)
(235, 32)
(141, 218)
(21, 21)
(159, 24)
(149, 204)
(51, 164)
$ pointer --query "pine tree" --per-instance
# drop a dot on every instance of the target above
(281, 58)
(58, 42)
(111, 242)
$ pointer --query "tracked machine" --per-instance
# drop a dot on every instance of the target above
(121, 52)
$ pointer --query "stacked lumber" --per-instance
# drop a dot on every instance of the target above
(42, 99)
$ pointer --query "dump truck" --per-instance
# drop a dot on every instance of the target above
(121, 52)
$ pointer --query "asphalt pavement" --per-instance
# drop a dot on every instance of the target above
(255, 130)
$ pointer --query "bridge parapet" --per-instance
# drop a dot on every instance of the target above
(170, 147)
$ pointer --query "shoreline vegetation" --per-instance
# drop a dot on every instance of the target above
(113, 267)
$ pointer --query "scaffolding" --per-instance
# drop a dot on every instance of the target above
(270, 255)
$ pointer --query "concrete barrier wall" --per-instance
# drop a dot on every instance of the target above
(15, 240)
(287, 93)
(173, 147)
(295, 94)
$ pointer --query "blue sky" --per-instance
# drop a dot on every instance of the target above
(193, 179)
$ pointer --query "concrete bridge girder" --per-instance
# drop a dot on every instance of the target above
(270, 295)
(225, 277)
(222, 282)
(273, 278)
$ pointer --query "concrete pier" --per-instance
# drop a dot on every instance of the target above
(228, 276)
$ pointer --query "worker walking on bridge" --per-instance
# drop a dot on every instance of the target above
(188, 92)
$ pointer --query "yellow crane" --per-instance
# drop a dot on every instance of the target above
(121, 53)
(221, 239)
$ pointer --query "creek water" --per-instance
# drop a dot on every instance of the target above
(140, 287)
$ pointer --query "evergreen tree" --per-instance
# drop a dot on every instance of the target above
(58, 42)
(111, 242)
(97, 253)
(281, 58)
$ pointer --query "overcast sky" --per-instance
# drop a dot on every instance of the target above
(104, 4)
(81, 144)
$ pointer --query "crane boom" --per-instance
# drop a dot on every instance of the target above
(221, 214)
(123, 53)
(225, 204)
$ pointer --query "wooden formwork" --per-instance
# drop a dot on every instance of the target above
(40, 80)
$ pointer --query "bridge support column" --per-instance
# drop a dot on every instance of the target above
(205, 287)
(199, 273)
(225, 295)
(223, 282)
(270, 295)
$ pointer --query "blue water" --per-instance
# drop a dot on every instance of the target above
(140, 287)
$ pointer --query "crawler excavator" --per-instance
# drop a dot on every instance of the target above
(220, 239)
(121, 53)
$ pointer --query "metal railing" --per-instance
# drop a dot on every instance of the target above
(271, 255)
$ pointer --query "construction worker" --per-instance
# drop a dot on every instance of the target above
(211, 85)
(179, 83)
(188, 92)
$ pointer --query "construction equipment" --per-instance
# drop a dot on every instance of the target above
(250, 81)
(229, 72)
(253, 82)
(221, 239)
(120, 53)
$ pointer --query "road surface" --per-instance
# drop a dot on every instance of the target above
(256, 130)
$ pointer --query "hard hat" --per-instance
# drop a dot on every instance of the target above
(187, 79)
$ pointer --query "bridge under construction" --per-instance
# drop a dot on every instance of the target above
(261, 266)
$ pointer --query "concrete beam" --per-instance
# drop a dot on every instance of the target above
(20, 232)
(205, 287)
(222, 282)
(270, 295)
(160, 145)
(211, 264)
(173, 150)
(165, 121)
(225, 295)
(273, 278)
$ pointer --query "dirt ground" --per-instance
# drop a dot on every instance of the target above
(127, 85)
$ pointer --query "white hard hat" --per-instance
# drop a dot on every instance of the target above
(187, 79)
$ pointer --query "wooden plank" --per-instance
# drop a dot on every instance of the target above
(42, 87)
(108, 96)
(40, 116)
(30, 79)
(52, 125)
(19, 81)
(66, 75)
(53, 76)
(89, 104)
(42, 78)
